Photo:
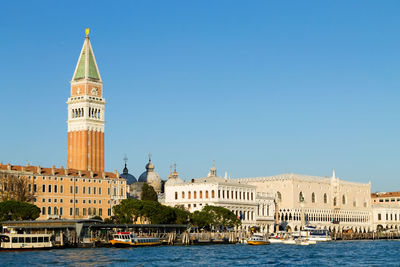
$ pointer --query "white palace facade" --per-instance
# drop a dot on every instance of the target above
(328, 203)
(252, 207)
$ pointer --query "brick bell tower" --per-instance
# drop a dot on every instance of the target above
(86, 114)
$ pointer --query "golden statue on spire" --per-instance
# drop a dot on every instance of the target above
(87, 32)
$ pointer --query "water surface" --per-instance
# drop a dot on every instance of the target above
(367, 253)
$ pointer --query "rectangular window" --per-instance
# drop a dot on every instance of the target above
(49, 188)
(76, 190)
(115, 191)
(71, 189)
(43, 211)
(77, 211)
(61, 189)
(29, 187)
(44, 188)
(109, 212)
(99, 190)
(89, 190)
(94, 190)
(84, 211)
(108, 191)
(55, 188)
(70, 211)
(34, 188)
(61, 211)
(84, 190)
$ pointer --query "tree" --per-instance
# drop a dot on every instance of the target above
(148, 193)
(129, 210)
(14, 188)
(12, 210)
(214, 216)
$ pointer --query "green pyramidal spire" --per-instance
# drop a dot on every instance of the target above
(86, 67)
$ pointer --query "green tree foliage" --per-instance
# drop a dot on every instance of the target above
(148, 193)
(12, 210)
(215, 217)
(129, 210)
(211, 217)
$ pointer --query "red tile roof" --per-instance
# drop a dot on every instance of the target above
(58, 171)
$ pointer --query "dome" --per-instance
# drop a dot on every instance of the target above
(151, 177)
(130, 179)
(174, 178)
(174, 181)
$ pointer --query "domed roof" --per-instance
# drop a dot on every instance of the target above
(174, 178)
(151, 177)
(130, 179)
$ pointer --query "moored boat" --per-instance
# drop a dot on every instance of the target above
(127, 239)
(257, 239)
(25, 241)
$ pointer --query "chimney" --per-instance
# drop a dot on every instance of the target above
(22, 169)
(53, 171)
(38, 169)
(80, 173)
(116, 174)
(91, 174)
(9, 166)
(104, 175)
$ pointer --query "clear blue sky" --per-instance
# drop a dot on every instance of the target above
(262, 88)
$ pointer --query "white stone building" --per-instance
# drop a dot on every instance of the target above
(254, 209)
(329, 203)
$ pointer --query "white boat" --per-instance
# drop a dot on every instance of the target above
(273, 239)
(313, 234)
(302, 242)
(25, 241)
(257, 239)
(289, 241)
(126, 239)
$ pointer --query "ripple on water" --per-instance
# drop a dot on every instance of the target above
(367, 253)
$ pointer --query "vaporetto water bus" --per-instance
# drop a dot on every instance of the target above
(313, 234)
(25, 241)
(127, 239)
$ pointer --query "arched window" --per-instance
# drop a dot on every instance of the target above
(189, 195)
(236, 195)
(334, 201)
(325, 198)
(176, 195)
(194, 195)
(55, 211)
(48, 210)
(201, 194)
(279, 196)
(343, 199)
(227, 194)
(248, 195)
(251, 196)
(313, 197)
(354, 203)
(232, 194)
(206, 193)
(301, 197)
(212, 194)
(183, 194)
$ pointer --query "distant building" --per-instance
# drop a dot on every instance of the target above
(68, 193)
(386, 211)
(254, 209)
(83, 189)
(328, 203)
